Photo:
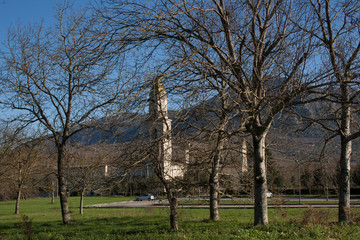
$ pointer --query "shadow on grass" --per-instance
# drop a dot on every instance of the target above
(126, 225)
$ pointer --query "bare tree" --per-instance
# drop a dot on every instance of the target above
(212, 120)
(252, 45)
(160, 145)
(19, 158)
(86, 168)
(9, 141)
(24, 159)
(61, 78)
(338, 28)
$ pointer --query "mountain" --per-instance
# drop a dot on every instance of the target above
(291, 137)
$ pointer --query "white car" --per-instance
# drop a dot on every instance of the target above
(269, 194)
(146, 196)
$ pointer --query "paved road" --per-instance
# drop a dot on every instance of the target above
(164, 204)
(128, 204)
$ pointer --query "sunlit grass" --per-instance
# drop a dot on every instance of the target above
(153, 223)
(251, 202)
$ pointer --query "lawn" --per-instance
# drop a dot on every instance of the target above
(251, 202)
(44, 222)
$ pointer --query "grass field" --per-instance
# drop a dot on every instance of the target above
(42, 220)
(251, 202)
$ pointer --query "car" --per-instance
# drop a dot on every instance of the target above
(269, 194)
(146, 196)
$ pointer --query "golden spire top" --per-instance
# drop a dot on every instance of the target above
(159, 87)
(158, 100)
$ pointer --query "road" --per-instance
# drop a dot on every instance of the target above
(164, 204)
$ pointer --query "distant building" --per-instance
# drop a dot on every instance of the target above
(159, 127)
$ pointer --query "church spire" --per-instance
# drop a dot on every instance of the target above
(158, 101)
(159, 125)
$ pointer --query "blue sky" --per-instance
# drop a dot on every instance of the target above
(26, 12)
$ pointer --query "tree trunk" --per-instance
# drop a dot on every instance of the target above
(53, 196)
(82, 200)
(344, 184)
(171, 198)
(62, 188)
(174, 213)
(214, 197)
(244, 160)
(260, 188)
(346, 148)
(214, 180)
(17, 205)
(53, 192)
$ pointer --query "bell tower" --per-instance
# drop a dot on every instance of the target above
(159, 126)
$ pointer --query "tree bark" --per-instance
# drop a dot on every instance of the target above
(53, 193)
(244, 159)
(346, 148)
(260, 188)
(174, 213)
(167, 186)
(82, 200)
(344, 184)
(62, 188)
(171, 198)
(214, 197)
(17, 205)
(214, 180)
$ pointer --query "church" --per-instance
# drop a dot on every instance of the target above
(159, 128)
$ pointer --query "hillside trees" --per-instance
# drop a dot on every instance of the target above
(251, 45)
(59, 78)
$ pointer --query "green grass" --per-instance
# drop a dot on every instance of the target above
(251, 202)
(153, 223)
